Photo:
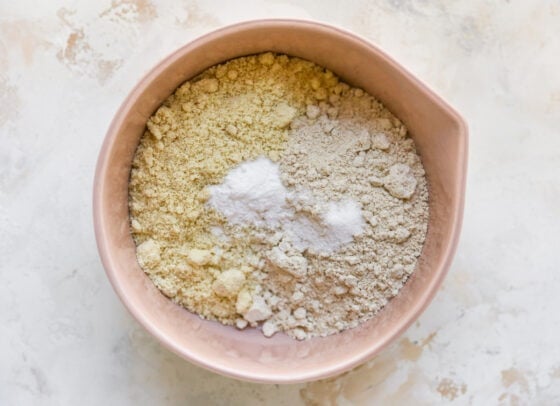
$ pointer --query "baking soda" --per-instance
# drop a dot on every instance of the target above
(253, 194)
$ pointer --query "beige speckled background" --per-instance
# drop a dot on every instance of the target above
(490, 337)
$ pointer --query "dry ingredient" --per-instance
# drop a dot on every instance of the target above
(266, 192)
(253, 194)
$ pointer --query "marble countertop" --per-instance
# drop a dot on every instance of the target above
(492, 334)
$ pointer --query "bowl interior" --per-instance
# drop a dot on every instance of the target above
(438, 131)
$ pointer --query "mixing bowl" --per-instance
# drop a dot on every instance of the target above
(441, 138)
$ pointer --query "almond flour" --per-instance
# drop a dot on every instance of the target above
(265, 192)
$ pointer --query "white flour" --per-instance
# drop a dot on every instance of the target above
(252, 193)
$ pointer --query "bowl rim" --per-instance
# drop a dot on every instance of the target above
(105, 250)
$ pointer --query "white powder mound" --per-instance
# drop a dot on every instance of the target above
(336, 226)
(253, 194)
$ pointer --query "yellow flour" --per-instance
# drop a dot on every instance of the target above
(229, 114)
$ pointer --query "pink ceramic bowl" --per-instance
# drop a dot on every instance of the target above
(440, 135)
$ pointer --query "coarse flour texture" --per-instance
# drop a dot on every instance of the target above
(265, 192)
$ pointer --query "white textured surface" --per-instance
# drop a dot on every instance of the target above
(490, 337)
